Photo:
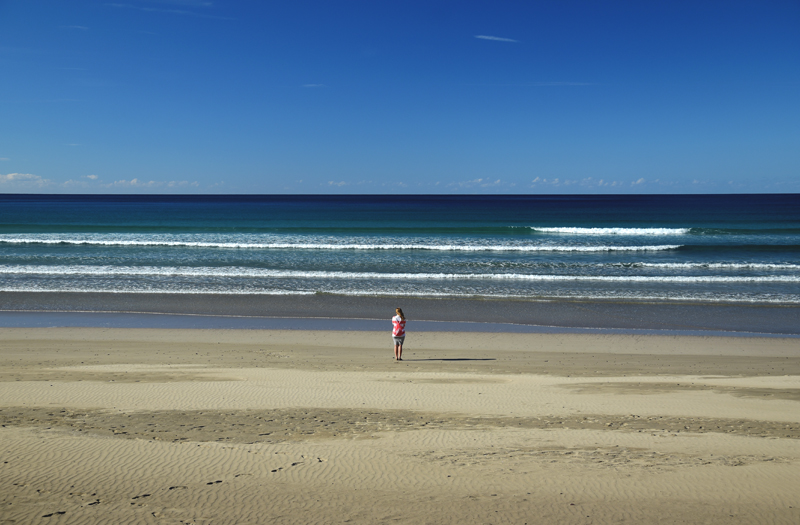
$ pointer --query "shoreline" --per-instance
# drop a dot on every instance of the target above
(495, 315)
(159, 321)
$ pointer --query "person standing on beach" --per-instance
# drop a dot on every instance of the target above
(398, 333)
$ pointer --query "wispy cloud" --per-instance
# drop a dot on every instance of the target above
(483, 182)
(548, 84)
(182, 12)
(4, 158)
(79, 28)
(540, 84)
(589, 182)
(21, 50)
(495, 38)
(28, 182)
(313, 85)
(186, 3)
(23, 181)
(136, 183)
(539, 180)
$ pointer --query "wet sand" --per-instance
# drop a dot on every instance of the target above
(249, 426)
(575, 314)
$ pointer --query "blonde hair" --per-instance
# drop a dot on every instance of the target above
(400, 313)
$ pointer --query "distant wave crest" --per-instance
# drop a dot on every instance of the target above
(337, 246)
(238, 272)
(611, 231)
(712, 298)
(715, 266)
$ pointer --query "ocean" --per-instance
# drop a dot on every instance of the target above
(690, 248)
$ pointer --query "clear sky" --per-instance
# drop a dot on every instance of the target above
(379, 96)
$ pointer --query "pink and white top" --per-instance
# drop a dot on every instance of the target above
(398, 326)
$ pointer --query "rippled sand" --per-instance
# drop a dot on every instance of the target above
(180, 426)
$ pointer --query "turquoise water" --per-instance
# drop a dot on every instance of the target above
(722, 248)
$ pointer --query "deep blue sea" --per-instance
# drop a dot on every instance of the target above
(721, 248)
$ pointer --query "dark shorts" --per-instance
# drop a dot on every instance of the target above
(399, 340)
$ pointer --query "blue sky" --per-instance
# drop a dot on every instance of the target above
(196, 96)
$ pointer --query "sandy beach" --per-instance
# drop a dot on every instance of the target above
(249, 426)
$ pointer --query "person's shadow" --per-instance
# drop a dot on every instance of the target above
(452, 359)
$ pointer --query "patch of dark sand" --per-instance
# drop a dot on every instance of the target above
(791, 394)
(614, 457)
(274, 426)
(449, 381)
(616, 365)
(106, 376)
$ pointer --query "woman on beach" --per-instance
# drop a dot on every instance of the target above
(398, 333)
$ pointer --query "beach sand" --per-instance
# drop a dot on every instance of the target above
(248, 426)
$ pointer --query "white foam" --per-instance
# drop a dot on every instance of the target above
(700, 297)
(342, 246)
(239, 272)
(611, 231)
(76, 289)
(719, 266)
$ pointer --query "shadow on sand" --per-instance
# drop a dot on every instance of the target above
(453, 359)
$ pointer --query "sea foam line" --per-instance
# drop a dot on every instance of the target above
(611, 231)
(237, 272)
(332, 246)
(715, 266)
(715, 298)
(75, 289)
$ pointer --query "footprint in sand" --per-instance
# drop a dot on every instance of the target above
(142, 496)
(214, 482)
(54, 514)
